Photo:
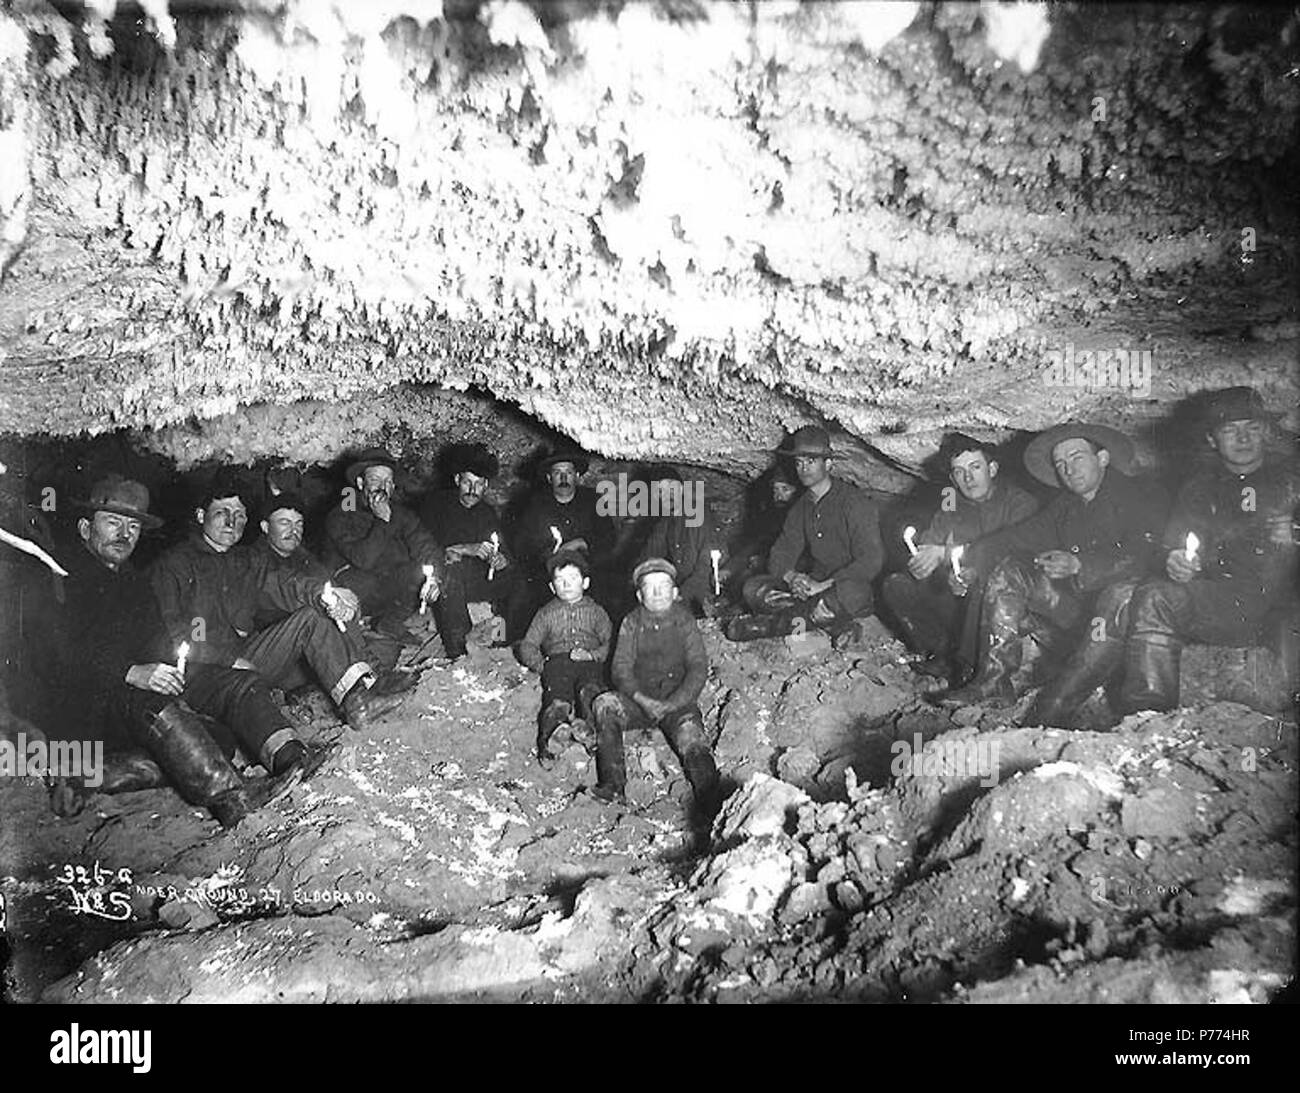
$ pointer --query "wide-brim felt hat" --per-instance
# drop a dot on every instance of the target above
(580, 462)
(371, 457)
(1236, 404)
(1038, 455)
(811, 440)
(123, 496)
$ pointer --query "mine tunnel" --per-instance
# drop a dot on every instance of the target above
(928, 371)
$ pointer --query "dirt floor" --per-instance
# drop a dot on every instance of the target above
(876, 849)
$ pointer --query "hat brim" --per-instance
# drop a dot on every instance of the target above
(1038, 454)
(357, 469)
(815, 453)
(147, 520)
(580, 463)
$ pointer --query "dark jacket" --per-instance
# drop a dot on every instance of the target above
(301, 563)
(106, 621)
(450, 522)
(360, 539)
(1228, 513)
(533, 542)
(1116, 535)
(661, 656)
(841, 534)
(688, 549)
(969, 521)
(225, 590)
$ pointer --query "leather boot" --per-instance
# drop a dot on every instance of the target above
(125, 773)
(752, 627)
(993, 680)
(1150, 673)
(611, 769)
(363, 706)
(556, 714)
(1089, 668)
(180, 743)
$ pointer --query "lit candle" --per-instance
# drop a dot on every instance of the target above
(909, 537)
(957, 552)
(495, 540)
(329, 597)
(1193, 545)
(715, 556)
(182, 655)
(426, 587)
(559, 539)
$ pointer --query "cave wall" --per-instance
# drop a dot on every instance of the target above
(665, 229)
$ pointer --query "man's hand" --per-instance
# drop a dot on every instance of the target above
(380, 505)
(430, 590)
(1058, 564)
(928, 558)
(1280, 531)
(244, 665)
(652, 706)
(162, 679)
(803, 585)
(581, 654)
(343, 605)
(821, 613)
(956, 585)
(1179, 568)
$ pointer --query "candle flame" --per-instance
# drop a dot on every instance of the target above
(1193, 545)
(957, 552)
(909, 537)
(559, 539)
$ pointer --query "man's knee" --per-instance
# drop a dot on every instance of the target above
(1157, 607)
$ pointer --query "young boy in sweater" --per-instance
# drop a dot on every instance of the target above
(567, 643)
(659, 670)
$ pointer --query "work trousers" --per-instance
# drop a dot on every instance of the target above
(307, 634)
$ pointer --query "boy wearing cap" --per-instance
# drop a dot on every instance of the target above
(687, 539)
(1241, 510)
(659, 670)
(567, 643)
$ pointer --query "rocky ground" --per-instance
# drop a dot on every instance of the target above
(877, 849)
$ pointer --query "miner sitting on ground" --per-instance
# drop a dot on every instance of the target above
(933, 617)
(838, 528)
(210, 589)
(687, 533)
(1065, 576)
(568, 643)
(560, 516)
(108, 671)
(379, 549)
(771, 498)
(477, 568)
(1236, 585)
(659, 670)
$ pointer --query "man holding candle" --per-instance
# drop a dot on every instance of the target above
(1237, 586)
(837, 528)
(1064, 577)
(210, 590)
(477, 567)
(689, 541)
(559, 517)
(929, 601)
(378, 548)
(110, 672)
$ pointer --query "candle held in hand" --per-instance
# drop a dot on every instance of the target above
(426, 587)
(1193, 545)
(495, 541)
(957, 552)
(329, 597)
(909, 537)
(182, 655)
(559, 539)
(715, 556)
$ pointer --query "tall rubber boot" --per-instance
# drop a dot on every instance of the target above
(611, 767)
(753, 627)
(1089, 668)
(1151, 667)
(993, 680)
(182, 746)
(556, 714)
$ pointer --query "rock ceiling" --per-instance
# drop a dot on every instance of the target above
(668, 229)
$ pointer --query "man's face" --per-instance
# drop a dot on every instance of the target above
(568, 583)
(223, 521)
(283, 530)
(110, 536)
(812, 470)
(377, 484)
(783, 492)
(1240, 444)
(1079, 468)
(563, 478)
(973, 474)
(657, 592)
(470, 488)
